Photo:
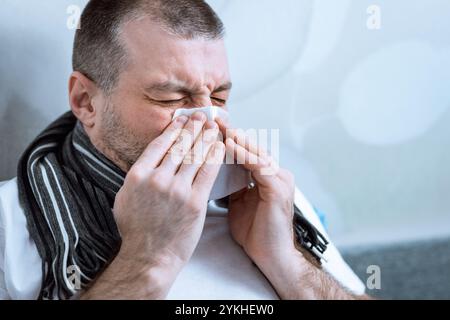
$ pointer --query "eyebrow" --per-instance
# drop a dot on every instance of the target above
(225, 87)
(174, 87)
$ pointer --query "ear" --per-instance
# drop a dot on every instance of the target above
(84, 98)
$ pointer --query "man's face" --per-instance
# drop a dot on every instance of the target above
(164, 73)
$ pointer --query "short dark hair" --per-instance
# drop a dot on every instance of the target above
(98, 52)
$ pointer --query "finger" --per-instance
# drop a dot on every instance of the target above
(263, 169)
(199, 153)
(242, 156)
(247, 142)
(157, 149)
(239, 136)
(223, 123)
(207, 174)
(183, 145)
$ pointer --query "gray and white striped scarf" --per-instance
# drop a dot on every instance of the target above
(67, 190)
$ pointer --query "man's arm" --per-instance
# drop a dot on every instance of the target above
(261, 221)
(128, 279)
(297, 277)
(160, 211)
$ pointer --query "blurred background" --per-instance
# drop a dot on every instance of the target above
(359, 89)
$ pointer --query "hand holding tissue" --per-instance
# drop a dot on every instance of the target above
(231, 177)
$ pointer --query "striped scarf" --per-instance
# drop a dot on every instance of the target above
(67, 190)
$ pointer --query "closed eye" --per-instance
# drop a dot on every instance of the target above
(170, 101)
(182, 100)
(221, 101)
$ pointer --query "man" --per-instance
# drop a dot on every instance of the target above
(104, 197)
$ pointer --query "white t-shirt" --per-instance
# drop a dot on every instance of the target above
(218, 269)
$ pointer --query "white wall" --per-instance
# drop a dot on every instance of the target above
(363, 114)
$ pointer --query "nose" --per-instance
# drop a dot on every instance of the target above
(202, 101)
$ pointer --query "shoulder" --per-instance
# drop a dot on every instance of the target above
(11, 213)
(20, 263)
(8, 189)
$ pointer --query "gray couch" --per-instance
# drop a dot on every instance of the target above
(414, 270)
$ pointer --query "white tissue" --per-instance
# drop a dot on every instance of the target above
(211, 112)
(232, 177)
